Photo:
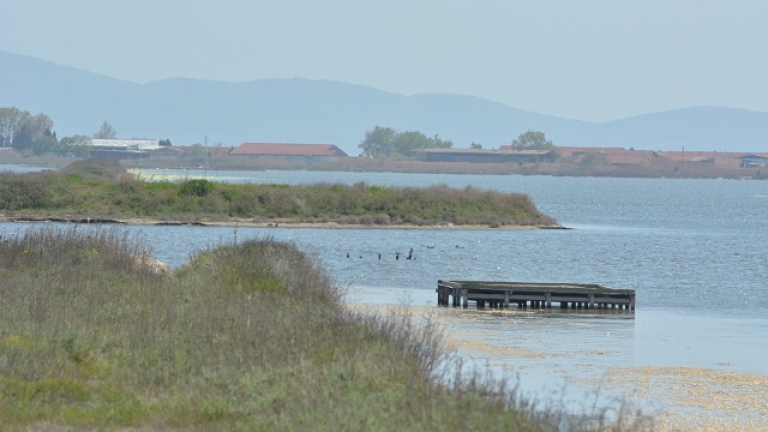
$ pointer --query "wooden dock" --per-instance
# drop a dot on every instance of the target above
(534, 295)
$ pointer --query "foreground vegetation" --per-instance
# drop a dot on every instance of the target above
(102, 189)
(249, 336)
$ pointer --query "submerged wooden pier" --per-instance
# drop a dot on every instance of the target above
(534, 295)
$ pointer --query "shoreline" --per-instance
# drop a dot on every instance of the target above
(680, 396)
(246, 223)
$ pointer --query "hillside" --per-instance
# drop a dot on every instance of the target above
(298, 110)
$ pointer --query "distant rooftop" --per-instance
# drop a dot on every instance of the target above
(274, 149)
(482, 151)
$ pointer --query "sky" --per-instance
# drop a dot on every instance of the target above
(593, 60)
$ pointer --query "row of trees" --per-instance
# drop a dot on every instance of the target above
(25, 132)
(22, 130)
(387, 142)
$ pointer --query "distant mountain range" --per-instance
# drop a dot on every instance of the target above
(186, 111)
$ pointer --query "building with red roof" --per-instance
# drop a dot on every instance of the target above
(306, 152)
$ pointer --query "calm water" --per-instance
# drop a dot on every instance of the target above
(696, 252)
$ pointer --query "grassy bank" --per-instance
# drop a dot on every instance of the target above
(100, 189)
(251, 336)
(667, 169)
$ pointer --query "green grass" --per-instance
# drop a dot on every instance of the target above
(252, 336)
(90, 190)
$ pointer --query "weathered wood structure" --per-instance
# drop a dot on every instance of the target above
(534, 295)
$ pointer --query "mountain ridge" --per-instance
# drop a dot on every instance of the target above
(189, 110)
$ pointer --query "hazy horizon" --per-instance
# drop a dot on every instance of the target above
(596, 60)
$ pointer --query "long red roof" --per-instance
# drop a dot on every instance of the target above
(271, 149)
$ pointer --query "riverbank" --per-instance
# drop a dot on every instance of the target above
(247, 223)
(103, 191)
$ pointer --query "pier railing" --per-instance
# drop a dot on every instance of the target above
(534, 295)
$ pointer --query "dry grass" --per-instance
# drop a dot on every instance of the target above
(249, 336)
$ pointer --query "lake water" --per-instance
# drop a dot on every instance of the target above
(695, 251)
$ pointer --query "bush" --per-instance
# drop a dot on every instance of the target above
(196, 187)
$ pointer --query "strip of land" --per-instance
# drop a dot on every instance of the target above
(248, 223)
(102, 191)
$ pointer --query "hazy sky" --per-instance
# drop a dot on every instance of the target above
(585, 59)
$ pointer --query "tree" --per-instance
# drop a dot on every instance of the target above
(75, 140)
(22, 140)
(532, 140)
(379, 142)
(76, 144)
(386, 142)
(408, 141)
(39, 124)
(475, 146)
(165, 143)
(44, 143)
(11, 121)
(105, 132)
(436, 142)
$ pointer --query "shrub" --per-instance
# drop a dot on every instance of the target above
(196, 187)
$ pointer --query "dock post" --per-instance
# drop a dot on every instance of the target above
(455, 296)
(506, 299)
(466, 297)
(591, 301)
(549, 301)
(632, 302)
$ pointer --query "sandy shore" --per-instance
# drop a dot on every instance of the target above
(686, 398)
(250, 223)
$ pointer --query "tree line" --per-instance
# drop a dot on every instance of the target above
(388, 142)
(35, 134)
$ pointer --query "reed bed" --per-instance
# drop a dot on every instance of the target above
(250, 336)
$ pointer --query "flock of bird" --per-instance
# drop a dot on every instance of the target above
(410, 253)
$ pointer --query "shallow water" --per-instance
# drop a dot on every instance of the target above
(694, 251)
